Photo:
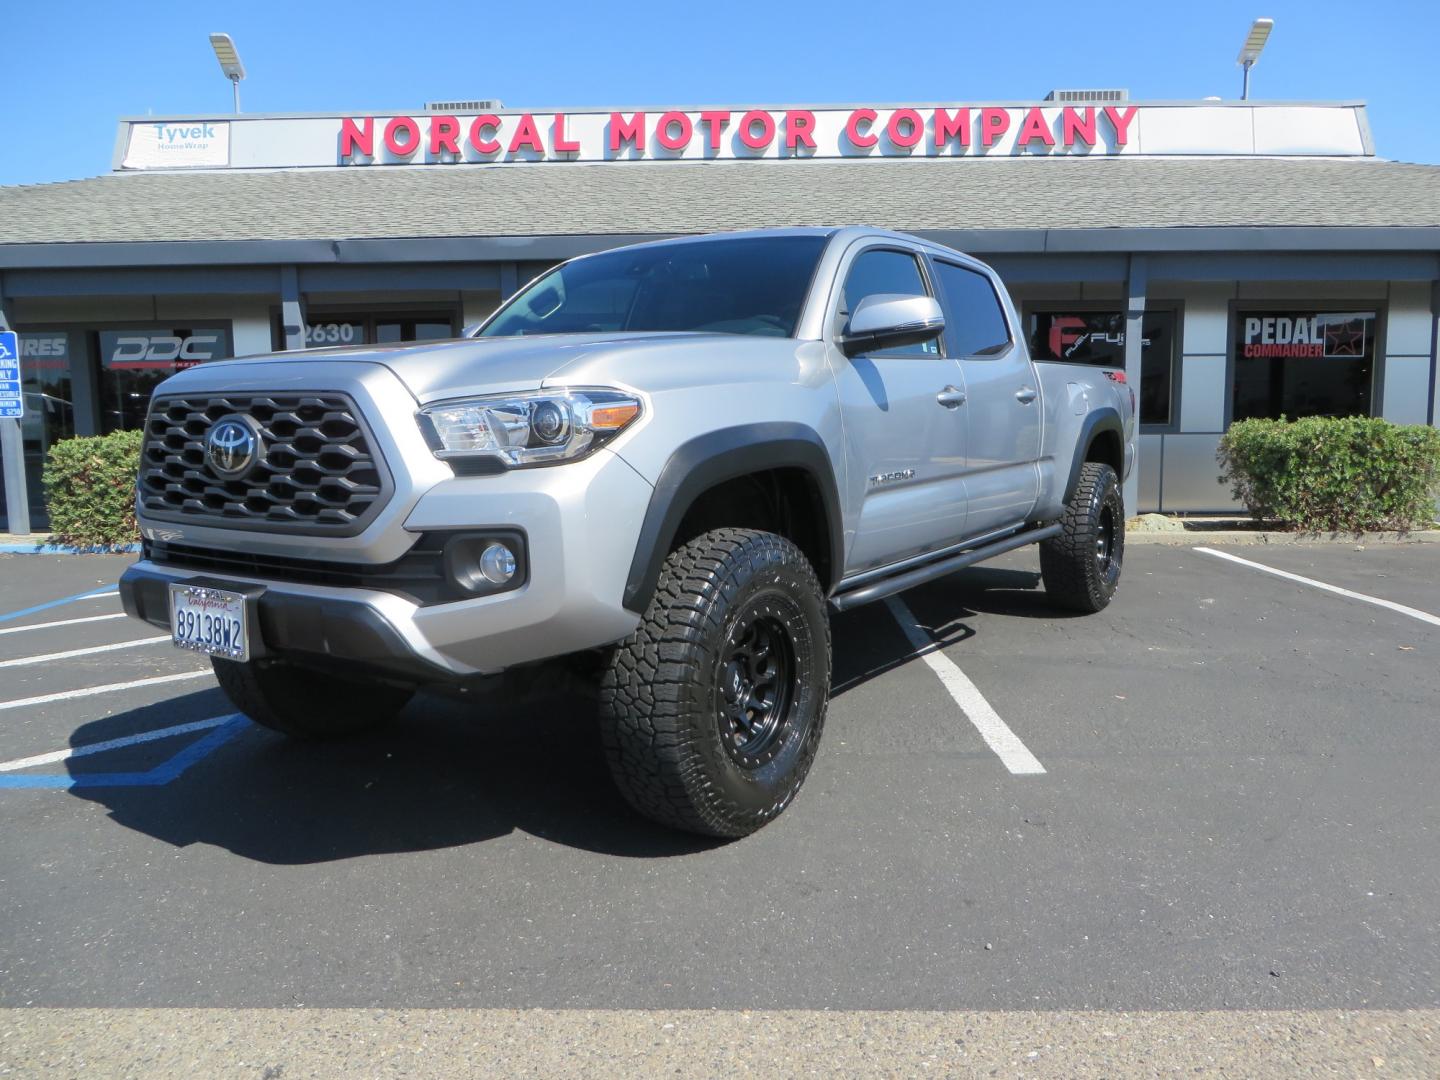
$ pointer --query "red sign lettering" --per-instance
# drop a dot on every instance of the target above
(393, 142)
(863, 139)
(623, 131)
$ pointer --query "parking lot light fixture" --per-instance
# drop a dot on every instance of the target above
(230, 64)
(1251, 50)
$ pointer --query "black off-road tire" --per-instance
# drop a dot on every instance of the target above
(1081, 566)
(306, 704)
(732, 608)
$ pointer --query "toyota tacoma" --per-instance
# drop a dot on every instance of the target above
(660, 467)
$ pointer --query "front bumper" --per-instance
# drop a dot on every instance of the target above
(295, 622)
(581, 522)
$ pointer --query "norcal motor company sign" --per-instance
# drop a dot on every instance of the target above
(728, 133)
(891, 132)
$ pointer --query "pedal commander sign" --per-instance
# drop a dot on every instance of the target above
(864, 132)
(1319, 336)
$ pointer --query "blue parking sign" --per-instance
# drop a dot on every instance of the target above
(12, 401)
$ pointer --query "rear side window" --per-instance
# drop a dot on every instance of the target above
(879, 271)
(974, 320)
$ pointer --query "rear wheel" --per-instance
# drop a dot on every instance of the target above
(307, 704)
(711, 712)
(1081, 566)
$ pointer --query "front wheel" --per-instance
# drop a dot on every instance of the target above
(711, 711)
(1081, 566)
(307, 704)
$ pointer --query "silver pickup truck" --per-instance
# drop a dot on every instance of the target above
(659, 468)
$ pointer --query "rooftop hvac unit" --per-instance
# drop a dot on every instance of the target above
(482, 105)
(1085, 96)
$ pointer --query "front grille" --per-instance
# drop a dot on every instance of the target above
(318, 472)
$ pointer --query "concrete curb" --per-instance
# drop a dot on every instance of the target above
(1246, 537)
(62, 549)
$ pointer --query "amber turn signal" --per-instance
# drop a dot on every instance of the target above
(613, 417)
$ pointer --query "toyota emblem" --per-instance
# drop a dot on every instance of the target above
(232, 446)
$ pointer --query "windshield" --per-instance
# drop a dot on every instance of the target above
(748, 285)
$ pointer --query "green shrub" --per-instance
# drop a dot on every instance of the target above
(1325, 474)
(90, 489)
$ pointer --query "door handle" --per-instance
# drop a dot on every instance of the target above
(952, 397)
(1026, 394)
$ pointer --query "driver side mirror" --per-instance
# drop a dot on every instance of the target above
(888, 320)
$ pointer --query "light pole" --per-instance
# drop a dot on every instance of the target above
(229, 63)
(1251, 50)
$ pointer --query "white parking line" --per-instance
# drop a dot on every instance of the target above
(62, 622)
(1414, 613)
(24, 660)
(114, 744)
(996, 733)
(91, 691)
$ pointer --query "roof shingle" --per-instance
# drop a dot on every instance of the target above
(669, 197)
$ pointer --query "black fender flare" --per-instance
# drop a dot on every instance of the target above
(1101, 420)
(713, 458)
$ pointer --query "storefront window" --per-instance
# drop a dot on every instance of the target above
(1303, 363)
(1098, 337)
(327, 329)
(134, 362)
(393, 330)
(49, 410)
(334, 332)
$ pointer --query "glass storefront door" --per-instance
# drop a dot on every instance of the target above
(45, 382)
(325, 328)
(135, 361)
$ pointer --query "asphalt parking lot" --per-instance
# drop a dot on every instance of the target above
(1238, 809)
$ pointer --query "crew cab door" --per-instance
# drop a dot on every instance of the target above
(904, 429)
(1003, 408)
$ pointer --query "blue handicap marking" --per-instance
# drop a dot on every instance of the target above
(12, 400)
(159, 776)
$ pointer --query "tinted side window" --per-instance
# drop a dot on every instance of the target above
(877, 271)
(974, 321)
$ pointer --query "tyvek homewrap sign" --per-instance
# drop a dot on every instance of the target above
(178, 144)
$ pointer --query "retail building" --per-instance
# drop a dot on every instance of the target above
(1273, 263)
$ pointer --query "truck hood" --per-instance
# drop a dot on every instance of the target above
(434, 371)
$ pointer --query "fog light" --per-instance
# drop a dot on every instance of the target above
(497, 563)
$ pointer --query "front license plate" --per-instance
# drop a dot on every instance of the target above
(209, 621)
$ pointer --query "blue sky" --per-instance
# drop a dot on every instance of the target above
(70, 69)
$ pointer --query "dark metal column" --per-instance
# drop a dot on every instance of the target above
(292, 309)
(509, 280)
(1135, 286)
(1431, 409)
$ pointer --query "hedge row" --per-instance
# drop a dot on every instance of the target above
(90, 489)
(1326, 474)
(1319, 474)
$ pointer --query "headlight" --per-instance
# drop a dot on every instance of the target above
(536, 428)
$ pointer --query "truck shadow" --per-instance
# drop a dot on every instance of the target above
(452, 773)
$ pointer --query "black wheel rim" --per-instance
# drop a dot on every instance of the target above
(756, 689)
(1105, 540)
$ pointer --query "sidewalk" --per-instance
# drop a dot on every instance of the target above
(1164, 529)
(42, 543)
